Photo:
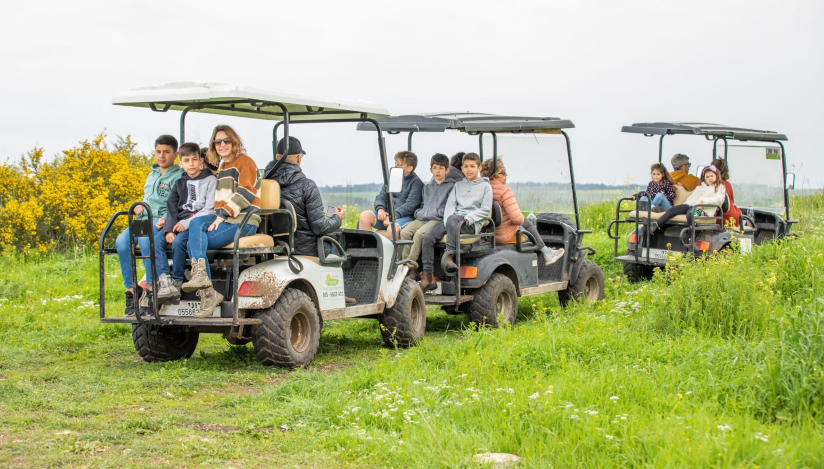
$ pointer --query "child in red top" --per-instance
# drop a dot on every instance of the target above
(733, 215)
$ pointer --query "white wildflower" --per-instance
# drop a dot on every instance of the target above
(762, 437)
(724, 428)
(535, 396)
(613, 398)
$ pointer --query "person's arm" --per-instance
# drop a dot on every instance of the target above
(318, 223)
(441, 201)
(669, 193)
(426, 190)
(380, 200)
(449, 208)
(509, 204)
(172, 213)
(245, 193)
(413, 199)
(207, 203)
(715, 197)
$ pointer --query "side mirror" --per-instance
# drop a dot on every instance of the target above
(699, 170)
(790, 178)
(395, 179)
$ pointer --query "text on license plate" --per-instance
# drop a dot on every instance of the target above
(654, 253)
(185, 308)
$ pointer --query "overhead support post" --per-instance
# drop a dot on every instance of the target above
(572, 179)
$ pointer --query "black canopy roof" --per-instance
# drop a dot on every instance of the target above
(696, 128)
(469, 122)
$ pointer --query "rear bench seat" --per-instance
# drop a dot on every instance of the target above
(269, 202)
(681, 196)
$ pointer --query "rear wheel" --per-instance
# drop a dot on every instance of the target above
(589, 286)
(637, 272)
(163, 343)
(289, 333)
(497, 297)
(557, 218)
(404, 324)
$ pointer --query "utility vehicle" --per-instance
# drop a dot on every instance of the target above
(758, 168)
(491, 276)
(274, 298)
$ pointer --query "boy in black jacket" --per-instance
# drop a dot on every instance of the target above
(405, 203)
(193, 195)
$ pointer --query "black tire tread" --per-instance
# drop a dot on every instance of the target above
(162, 343)
(272, 337)
(637, 272)
(557, 217)
(575, 291)
(395, 322)
(481, 309)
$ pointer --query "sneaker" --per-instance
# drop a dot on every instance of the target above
(350, 301)
(658, 209)
(166, 290)
(552, 256)
(209, 300)
(653, 227)
(146, 301)
(129, 303)
(199, 279)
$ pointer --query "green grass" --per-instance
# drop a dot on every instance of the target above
(710, 364)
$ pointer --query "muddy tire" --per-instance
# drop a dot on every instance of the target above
(404, 324)
(497, 296)
(589, 286)
(163, 343)
(557, 218)
(289, 333)
(637, 272)
(450, 310)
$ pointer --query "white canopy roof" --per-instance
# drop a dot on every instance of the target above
(246, 101)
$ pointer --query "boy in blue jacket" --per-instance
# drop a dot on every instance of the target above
(405, 203)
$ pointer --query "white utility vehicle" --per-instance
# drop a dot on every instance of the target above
(274, 298)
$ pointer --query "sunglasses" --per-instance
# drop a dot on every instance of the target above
(227, 141)
(502, 173)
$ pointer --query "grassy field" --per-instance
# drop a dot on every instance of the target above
(711, 364)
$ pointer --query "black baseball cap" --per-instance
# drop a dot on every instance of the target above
(294, 146)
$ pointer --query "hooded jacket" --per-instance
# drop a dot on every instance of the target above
(454, 174)
(190, 198)
(434, 200)
(158, 187)
(305, 196)
(407, 201)
(511, 216)
(470, 199)
(710, 195)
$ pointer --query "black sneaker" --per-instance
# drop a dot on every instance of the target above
(129, 303)
(146, 301)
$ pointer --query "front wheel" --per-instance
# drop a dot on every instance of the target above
(404, 324)
(637, 272)
(497, 297)
(163, 343)
(589, 286)
(289, 333)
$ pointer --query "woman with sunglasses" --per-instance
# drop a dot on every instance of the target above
(235, 195)
(512, 219)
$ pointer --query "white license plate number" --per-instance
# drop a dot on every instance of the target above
(654, 254)
(185, 309)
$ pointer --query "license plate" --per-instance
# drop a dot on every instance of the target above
(185, 309)
(653, 253)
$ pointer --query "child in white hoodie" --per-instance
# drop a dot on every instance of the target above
(707, 197)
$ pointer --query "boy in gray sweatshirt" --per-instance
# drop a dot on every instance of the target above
(469, 201)
(430, 214)
(192, 196)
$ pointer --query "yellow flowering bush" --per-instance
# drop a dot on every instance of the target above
(47, 205)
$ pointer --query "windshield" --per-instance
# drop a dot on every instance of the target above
(756, 176)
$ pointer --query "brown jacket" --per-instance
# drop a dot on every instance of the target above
(685, 179)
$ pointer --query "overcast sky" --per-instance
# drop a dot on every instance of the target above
(755, 64)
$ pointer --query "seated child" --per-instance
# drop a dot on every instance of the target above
(193, 195)
(733, 215)
(660, 191)
(469, 202)
(405, 203)
(710, 192)
(512, 220)
(156, 191)
(431, 212)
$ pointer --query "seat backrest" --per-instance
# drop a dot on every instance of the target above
(681, 194)
(496, 215)
(269, 194)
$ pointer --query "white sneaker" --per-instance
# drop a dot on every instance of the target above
(552, 256)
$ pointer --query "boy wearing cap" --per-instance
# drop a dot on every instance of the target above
(680, 174)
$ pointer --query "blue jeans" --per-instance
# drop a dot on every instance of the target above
(122, 244)
(179, 253)
(379, 225)
(660, 199)
(201, 240)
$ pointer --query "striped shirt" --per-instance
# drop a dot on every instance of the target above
(237, 190)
